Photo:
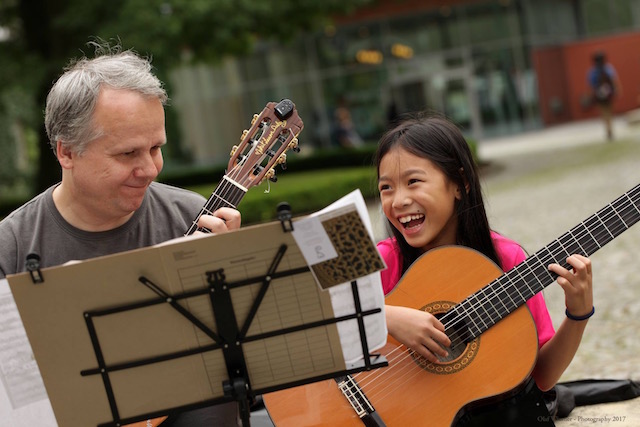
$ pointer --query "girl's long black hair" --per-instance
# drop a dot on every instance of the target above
(436, 138)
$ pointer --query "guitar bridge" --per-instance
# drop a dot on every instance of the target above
(359, 401)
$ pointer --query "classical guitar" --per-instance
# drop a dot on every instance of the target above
(262, 147)
(494, 340)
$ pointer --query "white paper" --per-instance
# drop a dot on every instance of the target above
(23, 398)
(370, 294)
(313, 241)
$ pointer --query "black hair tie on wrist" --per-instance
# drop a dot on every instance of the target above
(578, 318)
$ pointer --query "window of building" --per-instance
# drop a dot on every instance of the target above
(604, 16)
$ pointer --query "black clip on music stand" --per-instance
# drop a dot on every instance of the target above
(229, 338)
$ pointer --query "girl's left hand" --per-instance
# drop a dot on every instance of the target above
(577, 284)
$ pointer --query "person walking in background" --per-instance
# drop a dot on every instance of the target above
(345, 133)
(604, 84)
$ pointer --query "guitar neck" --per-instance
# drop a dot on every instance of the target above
(511, 290)
(262, 147)
(228, 193)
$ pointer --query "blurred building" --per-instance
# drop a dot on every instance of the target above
(495, 67)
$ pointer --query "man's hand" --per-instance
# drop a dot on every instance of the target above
(222, 220)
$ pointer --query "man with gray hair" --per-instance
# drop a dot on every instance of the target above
(106, 125)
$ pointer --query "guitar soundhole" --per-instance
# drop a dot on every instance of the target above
(462, 351)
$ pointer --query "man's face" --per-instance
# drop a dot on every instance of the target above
(110, 178)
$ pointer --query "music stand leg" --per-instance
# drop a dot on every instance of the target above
(239, 391)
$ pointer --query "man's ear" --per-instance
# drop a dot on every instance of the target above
(65, 155)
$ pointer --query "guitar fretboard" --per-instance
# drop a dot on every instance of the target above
(228, 193)
(511, 290)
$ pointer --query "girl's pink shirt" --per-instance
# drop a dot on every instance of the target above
(510, 254)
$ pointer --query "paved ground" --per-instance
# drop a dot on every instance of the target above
(539, 185)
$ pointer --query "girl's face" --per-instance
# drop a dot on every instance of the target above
(418, 199)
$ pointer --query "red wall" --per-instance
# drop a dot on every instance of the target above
(562, 75)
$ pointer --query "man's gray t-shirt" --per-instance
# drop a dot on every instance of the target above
(37, 227)
(166, 213)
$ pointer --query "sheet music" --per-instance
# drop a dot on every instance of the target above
(289, 302)
(23, 398)
(309, 235)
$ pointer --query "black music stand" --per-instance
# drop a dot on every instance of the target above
(231, 335)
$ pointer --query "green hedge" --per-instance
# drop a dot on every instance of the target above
(306, 192)
(319, 159)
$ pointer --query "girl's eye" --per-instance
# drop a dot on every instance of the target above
(413, 181)
(383, 187)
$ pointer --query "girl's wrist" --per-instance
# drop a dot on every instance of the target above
(580, 318)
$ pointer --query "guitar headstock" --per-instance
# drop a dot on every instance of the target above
(274, 131)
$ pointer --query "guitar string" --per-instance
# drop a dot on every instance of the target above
(373, 379)
(394, 357)
(386, 381)
(210, 205)
(391, 358)
(604, 232)
(479, 300)
(617, 228)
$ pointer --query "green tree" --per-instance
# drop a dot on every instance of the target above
(41, 36)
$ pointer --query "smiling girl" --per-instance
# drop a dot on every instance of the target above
(431, 196)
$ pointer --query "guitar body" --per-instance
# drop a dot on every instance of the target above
(411, 391)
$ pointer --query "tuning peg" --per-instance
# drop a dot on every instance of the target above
(234, 149)
(282, 161)
(271, 175)
(253, 120)
(293, 145)
(244, 134)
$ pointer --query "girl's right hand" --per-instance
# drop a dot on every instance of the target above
(418, 330)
